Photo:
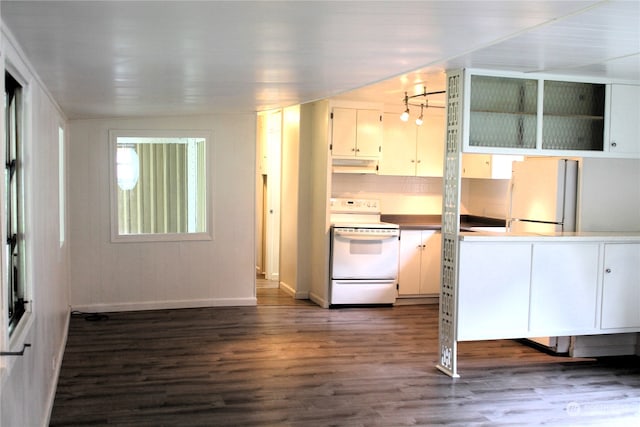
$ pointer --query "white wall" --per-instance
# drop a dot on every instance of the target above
(485, 197)
(320, 187)
(290, 197)
(130, 276)
(27, 383)
(609, 195)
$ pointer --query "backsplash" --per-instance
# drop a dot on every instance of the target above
(397, 194)
(486, 197)
(406, 195)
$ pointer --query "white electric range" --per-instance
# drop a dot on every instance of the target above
(364, 254)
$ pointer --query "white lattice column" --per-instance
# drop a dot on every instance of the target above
(450, 227)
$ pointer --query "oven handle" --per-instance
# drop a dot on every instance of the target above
(364, 236)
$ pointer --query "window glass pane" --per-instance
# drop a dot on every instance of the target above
(61, 184)
(13, 203)
(160, 185)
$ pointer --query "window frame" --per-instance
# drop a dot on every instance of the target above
(116, 237)
(14, 333)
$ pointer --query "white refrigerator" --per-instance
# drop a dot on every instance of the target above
(542, 199)
(543, 195)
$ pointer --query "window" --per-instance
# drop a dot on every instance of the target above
(13, 203)
(159, 186)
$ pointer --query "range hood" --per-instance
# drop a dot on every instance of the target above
(361, 166)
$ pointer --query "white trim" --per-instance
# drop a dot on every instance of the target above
(318, 300)
(293, 292)
(160, 237)
(51, 395)
(165, 305)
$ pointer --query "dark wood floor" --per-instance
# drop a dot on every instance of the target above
(300, 365)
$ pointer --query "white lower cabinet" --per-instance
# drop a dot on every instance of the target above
(564, 284)
(493, 295)
(526, 289)
(621, 286)
(419, 272)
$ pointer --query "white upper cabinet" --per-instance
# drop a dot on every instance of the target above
(411, 150)
(516, 113)
(356, 133)
(398, 147)
(488, 166)
(624, 120)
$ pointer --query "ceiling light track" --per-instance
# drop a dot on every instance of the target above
(424, 103)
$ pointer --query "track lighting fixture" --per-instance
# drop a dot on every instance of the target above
(424, 103)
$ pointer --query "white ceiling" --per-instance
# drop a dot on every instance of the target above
(105, 59)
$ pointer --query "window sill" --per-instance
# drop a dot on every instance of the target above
(169, 237)
(16, 343)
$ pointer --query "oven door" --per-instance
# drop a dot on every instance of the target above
(364, 254)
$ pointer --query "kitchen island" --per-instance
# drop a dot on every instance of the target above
(526, 285)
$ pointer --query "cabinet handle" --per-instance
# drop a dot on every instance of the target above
(413, 161)
(614, 144)
(353, 149)
(608, 270)
(419, 161)
(357, 150)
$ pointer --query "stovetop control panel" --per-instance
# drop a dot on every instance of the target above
(340, 205)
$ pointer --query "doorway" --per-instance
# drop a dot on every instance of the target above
(269, 148)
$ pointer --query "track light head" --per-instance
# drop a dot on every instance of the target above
(419, 120)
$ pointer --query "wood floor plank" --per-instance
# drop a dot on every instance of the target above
(300, 365)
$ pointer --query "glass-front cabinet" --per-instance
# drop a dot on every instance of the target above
(517, 113)
(573, 116)
(503, 112)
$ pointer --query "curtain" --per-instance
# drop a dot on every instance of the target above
(158, 202)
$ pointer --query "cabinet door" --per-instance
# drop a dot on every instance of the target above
(398, 147)
(624, 123)
(493, 293)
(502, 112)
(621, 288)
(368, 133)
(430, 265)
(476, 166)
(343, 132)
(410, 259)
(430, 144)
(573, 116)
(564, 282)
(495, 166)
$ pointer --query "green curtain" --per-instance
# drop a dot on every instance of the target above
(158, 202)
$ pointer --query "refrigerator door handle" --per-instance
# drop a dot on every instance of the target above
(510, 205)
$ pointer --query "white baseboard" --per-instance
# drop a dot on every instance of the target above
(318, 300)
(293, 292)
(51, 395)
(163, 305)
(417, 300)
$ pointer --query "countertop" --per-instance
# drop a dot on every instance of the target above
(584, 236)
(434, 222)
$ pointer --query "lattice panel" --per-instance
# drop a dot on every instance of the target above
(450, 227)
